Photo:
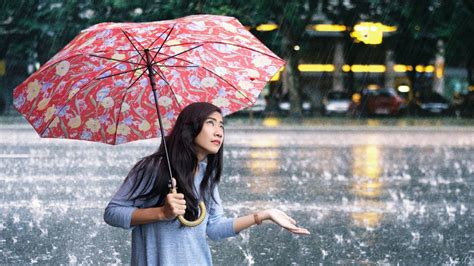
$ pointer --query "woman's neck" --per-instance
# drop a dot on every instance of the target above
(201, 157)
(196, 169)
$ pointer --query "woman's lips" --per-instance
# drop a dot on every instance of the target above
(216, 142)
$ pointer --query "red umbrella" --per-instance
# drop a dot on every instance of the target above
(115, 81)
(100, 86)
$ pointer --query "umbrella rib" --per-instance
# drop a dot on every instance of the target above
(210, 42)
(172, 66)
(133, 83)
(136, 49)
(120, 73)
(171, 88)
(235, 88)
(131, 36)
(164, 41)
(123, 98)
(73, 96)
(113, 67)
(172, 56)
(187, 61)
(160, 37)
(161, 74)
(117, 60)
(62, 108)
(184, 60)
(134, 74)
(233, 44)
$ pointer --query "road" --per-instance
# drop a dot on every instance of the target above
(385, 194)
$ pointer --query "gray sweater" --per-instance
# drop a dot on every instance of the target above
(166, 242)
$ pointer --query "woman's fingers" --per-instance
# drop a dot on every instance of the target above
(176, 199)
(291, 220)
(176, 204)
(177, 195)
(179, 202)
(300, 231)
(297, 230)
(180, 212)
(287, 222)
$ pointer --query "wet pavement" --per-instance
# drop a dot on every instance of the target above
(383, 194)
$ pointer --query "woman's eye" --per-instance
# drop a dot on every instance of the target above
(210, 122)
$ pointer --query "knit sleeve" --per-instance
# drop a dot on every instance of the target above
(218, 226)
(119, 211)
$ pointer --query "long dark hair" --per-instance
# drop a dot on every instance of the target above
(151, 172)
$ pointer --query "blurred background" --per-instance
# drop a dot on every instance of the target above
(365, 137)
(347, 58)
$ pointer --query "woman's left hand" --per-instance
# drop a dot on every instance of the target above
(285, 221)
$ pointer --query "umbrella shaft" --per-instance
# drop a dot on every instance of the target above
(149, 65)
(153, 87)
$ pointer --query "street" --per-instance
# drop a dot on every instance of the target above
(368, 195)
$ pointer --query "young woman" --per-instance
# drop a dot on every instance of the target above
(143, 202)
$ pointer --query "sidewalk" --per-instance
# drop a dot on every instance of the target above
(350, 124)
(318, 123)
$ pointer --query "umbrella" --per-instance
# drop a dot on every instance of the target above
(119, 82)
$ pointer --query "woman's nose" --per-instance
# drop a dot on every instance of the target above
(218, 133)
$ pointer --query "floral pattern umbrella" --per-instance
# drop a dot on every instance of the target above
(102, 86)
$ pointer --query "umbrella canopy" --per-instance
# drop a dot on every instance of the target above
(98, 88)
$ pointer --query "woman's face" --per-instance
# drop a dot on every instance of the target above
(209, 140)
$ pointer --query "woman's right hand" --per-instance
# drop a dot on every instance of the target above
(174, 205)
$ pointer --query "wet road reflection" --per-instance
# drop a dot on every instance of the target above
(366, 168)
(263, 163)
(368, 196)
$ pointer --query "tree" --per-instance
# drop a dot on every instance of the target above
(34, 30)
(420, 28)
(292, 17)
(349, 14)
(459, 46)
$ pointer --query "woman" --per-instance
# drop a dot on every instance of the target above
(143, 202)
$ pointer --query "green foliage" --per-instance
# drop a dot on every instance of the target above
(34, 30)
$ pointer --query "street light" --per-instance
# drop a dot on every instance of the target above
(267, 27)
(370, 32)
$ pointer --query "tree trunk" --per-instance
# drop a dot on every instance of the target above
(411, 75)
(414, 84)
(292, 75)
(338, 61)
(438, 84)
(470, 71)
(294, 85)
(390, 73)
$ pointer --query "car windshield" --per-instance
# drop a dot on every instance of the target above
(338, 95)
(386, 92)
(432, 97)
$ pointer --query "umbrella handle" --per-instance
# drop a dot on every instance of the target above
(202, 208)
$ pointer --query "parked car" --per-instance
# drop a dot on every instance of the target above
(432, 103)
(336, 102)
(306, 107)
(464, 104)
(383, 101)
(3, 104)
(468, 106)
(258, 108)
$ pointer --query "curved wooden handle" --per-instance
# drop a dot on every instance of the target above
(200, 219)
